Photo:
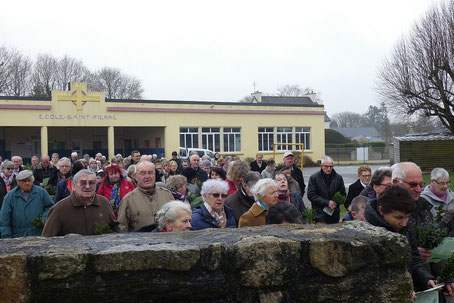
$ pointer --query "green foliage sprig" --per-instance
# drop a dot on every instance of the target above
(447, 273)
(310, 214)
(51, 189)
(102, 228)
(429, 235)
(440, 213)
(339, 199)
(38, 222)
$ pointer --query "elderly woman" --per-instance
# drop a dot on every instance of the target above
(114, 187)
(285, 195)
(206, 166)
(265, 195)
(438, 192)
(177, 186)
(173, 216)
(63, 172)
(292, 183)
(212, 212)
(235, 174)
(7, 181)
(92, 165)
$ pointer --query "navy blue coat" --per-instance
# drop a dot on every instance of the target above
(202, 219)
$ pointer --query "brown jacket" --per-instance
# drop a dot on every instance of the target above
(255, 216)
(70, 216)
(138, 208)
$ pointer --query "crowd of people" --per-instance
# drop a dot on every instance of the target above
(141, 193)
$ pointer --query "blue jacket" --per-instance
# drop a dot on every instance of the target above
(202, 219)
(17, 214)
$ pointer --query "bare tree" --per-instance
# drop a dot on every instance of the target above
(71, 70)
(418, 78)
(290, 90)
(15, 69)
(45, 75)
(348, 119)
(116, 85)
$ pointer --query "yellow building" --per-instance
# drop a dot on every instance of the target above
(86, 122)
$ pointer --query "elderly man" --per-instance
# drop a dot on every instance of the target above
(322, 187)
(194, 161)
(243, 199)
(34, 162)
(82, 211)
(258, 165)
(55, 158)
(24, 208)
(17, 161)
(135, 157)
(44, 171)
(139, 207)
(74, 157)
(64, 171)
(297, 174)
(409, 175)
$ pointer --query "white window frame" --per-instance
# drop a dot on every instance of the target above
(303, 135)
(284, 134)
(269, 134)
(231, 135)
(188, 132)
(212, 137)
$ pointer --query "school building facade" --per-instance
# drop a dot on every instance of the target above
(86, 122)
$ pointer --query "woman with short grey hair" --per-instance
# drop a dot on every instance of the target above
(265, 193)
(7, 181)
(438, 192)
(174, 216)
(212, 212)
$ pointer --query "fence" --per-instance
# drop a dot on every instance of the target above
(359, 154)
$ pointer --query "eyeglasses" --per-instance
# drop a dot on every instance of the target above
(365, 176)
(328, 166)
(144, 173)
(442, 183)
(414, 185)
(216, 195)
(10, 168)
(85, 182)
(384, 184)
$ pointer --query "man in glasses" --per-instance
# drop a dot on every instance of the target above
(82, 211)
(409, 175)
(139, 207)
(364, 175)
(322, 187)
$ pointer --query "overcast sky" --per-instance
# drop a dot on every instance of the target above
(215, 50)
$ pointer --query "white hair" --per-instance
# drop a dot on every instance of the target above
(83, 172)
(169, 211)
(260, 188)
(327, 159)
(73, 154)
(64, 159)
(400, 170)
(439, 173)
(210, 185)
(136, 168)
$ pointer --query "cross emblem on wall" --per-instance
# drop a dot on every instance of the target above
(78, 96)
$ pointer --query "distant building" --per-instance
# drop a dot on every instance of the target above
(369, 134)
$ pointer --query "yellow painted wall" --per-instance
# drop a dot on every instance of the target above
(96, 114)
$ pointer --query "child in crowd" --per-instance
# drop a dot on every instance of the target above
(357, 209)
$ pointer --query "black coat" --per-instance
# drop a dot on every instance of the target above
(201, 174)
(297, 174)
(42, 173)
(255, 166)
(416, 267)
(3, 191)
(320, 195)
(422, 213)
(353, 191)
(239, 202)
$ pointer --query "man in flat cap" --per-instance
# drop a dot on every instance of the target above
(24, 208)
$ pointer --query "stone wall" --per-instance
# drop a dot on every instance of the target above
(288, 263)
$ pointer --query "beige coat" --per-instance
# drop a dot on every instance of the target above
(138, 208)
(255, 216)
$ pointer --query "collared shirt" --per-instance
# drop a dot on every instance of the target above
(263, 205)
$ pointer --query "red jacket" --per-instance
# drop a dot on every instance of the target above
(125, 187)
(232, 188)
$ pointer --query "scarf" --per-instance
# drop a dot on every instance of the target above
(115, 196)
(179, 196)
(220, 218)
(7, 180)
(442, 197)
